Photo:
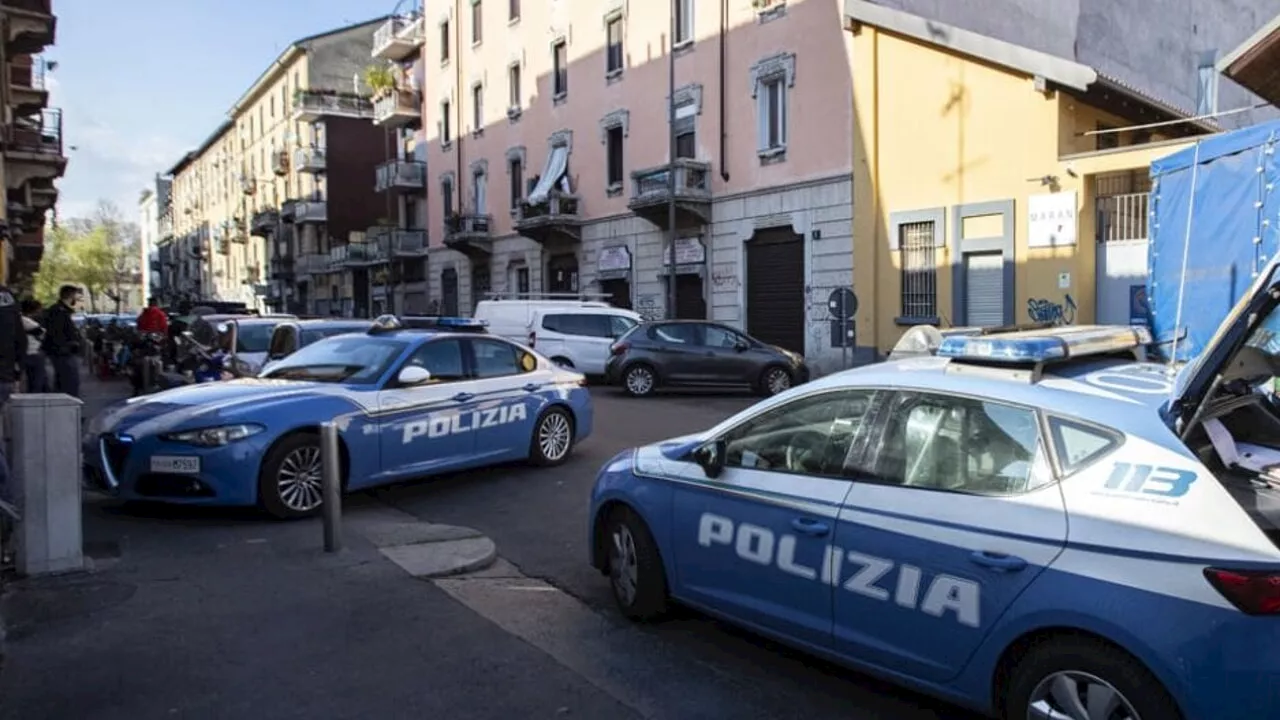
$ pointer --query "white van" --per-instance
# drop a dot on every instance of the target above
(573, 333)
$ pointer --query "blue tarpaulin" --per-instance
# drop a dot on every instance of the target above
(1234, 209)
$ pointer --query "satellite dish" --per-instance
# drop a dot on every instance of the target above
(919, 341)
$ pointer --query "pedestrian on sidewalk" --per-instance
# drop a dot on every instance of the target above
(62, 341)
(35, 372)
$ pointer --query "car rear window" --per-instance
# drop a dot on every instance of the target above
(1078, 444)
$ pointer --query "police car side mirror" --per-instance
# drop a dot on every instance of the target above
(710, 457)
(413, 375)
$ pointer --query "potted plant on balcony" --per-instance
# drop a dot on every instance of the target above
(380, 79)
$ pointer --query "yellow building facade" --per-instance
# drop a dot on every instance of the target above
(990, 178)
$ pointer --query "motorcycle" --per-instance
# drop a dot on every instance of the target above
(196, 364)
(147, 364)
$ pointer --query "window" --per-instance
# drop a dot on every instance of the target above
(962, 445)
(589, 325)
(678, 333)
(444, 41)
(477, 107)
(1207, 84)
(719, 337)
(613, 51)
(1078, 444)
(495, 358)
(560, 67)
(919, 270)
(476, 25)
(522, 280)
(446, 132)
(811, 435)
(1107, 137)
(513, 86)
(446, 196)
(479, 187)
(513, 10)
(619, 325)
(515, 169)
(771, 107)
(684, 21)
(614, 158)
(686, 131)
(441, 358)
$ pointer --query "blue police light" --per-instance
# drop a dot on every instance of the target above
(1046, 345)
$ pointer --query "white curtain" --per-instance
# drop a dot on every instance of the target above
(557, 163)
(479, 193)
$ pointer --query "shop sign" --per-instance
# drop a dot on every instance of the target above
(689, 251)
(1051, 220)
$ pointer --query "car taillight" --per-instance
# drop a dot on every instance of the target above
(619, 348)
(1252, 591)
(533, 339)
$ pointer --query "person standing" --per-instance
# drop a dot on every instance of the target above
(62, 341)
(34, 369)
(152, 319)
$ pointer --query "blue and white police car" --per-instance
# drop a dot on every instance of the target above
(1034, 524)
(409, 403)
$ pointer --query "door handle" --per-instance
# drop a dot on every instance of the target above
(531, 387)
(462, 397)
(810, 527)
(998, 561)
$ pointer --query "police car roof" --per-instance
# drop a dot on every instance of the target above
(1123, 394)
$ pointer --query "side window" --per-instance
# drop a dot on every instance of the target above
(811, 435)
(281, 342)
(441, 358)
(554, 323)
(596, 326)
(495, 358)
(678, 333)
(1078, 445)
(720, 337)
(961, 445)
(619, 325)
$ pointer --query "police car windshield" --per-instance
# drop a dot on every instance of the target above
(311, 335)
(356, 359)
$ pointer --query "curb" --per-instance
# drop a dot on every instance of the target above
(422, 549)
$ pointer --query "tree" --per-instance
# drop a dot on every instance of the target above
(55, 265)
(98, 254)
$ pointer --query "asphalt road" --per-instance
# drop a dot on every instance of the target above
(686, 667)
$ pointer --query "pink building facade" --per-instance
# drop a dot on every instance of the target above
(546, 139)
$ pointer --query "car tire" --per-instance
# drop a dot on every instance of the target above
(639, 380)
(637, 578)
(1074, 664)
(775, 379)
(290, 474)
(553, 436)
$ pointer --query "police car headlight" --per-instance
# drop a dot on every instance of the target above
(214, 436)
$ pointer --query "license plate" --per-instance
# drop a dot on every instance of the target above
(183, 465)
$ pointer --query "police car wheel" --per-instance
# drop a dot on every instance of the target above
(636, 574)
(774, 380)
(1082, 678)
(639, 380)
(289, 485)
(552, 438)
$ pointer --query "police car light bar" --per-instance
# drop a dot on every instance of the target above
(1044, 346)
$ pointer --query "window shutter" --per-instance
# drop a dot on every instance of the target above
(762, 117)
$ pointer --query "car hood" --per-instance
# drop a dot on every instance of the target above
(209, 403)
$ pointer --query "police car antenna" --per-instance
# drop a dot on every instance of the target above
(1186, 253)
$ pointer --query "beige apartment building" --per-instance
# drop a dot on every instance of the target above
(254, 215)
(546, 127)
(33, 152)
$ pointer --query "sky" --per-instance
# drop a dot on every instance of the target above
(141, 82)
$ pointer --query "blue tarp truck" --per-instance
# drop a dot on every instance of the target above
(1228, 188)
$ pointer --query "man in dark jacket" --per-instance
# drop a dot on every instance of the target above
(62, 341)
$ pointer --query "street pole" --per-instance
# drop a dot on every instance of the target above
(671, 166)
(331, 486)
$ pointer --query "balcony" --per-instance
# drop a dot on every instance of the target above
(280, 162)
(312, 264)
(27, 90)
(408, 243)
(312, 105)
(399, 38)
(34, 149)
(41, 195)
(314, 210)
(31, 26)
(282, 269)
(469, 234)
(650, 192)
(309, 160)
(397, 108)
(402, 176)
(263, 223)
(555, 221)
(361, 254)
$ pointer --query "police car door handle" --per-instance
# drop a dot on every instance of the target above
(998, 561)
(810, 527)
(462, 397)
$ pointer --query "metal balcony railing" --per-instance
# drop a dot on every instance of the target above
(42, 135)
(318, 102)
(556, 205)
(309, 159)
(693, 180)
(398, 36)
(401, 174)
(312, 263)
(409, 241)
(29, 76)
(468, 224)
(397, 104)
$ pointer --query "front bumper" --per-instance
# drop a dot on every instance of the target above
(130, 468)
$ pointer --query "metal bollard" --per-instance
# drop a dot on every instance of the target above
(331, 481)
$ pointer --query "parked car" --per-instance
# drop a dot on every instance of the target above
(699, 353)
(244, 339)
(513, 319)
(292, 335)
(579, 337)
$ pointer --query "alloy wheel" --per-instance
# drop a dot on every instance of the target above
(778, 380)
(639, 381)
(299, 479)
(623, 564)
(554, 436)
(1073, 695)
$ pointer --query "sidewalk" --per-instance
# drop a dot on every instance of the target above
(216, 614)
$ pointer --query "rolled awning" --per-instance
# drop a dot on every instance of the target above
(557, 163)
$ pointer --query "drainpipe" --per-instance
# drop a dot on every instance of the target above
(724, 128)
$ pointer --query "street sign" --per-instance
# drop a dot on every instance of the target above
(844, 333)
(842, 304)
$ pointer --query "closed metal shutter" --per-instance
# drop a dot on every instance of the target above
(984, 289)
(415, 303)
(775, 288)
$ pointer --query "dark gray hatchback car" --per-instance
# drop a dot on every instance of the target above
(696, 353)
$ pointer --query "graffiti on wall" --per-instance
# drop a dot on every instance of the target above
(1044, 310)
(725, 280)
(648, 308)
